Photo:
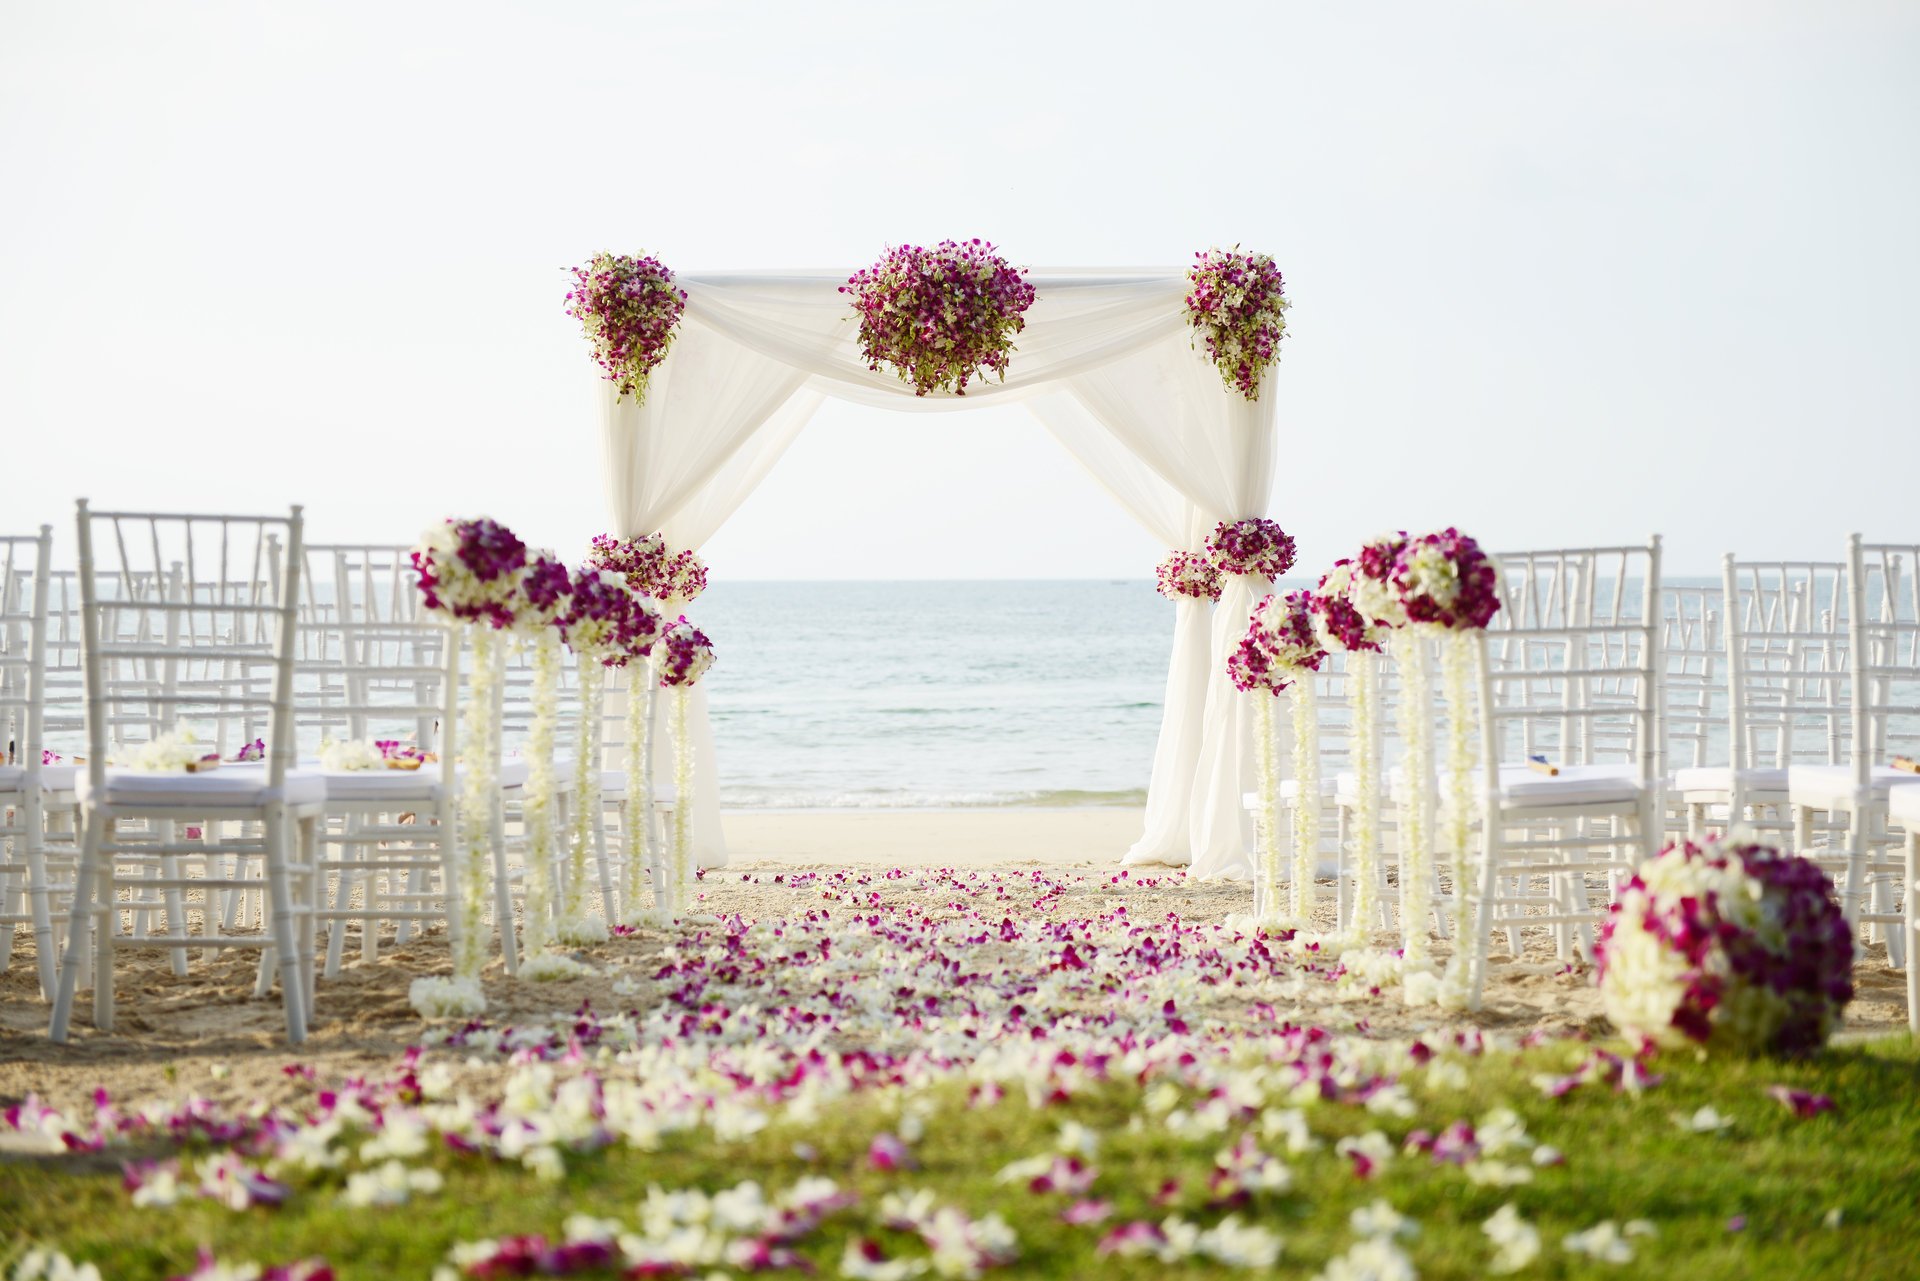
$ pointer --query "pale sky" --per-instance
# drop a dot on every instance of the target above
(1561, 272)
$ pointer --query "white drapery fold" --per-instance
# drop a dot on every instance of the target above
(1146, 415)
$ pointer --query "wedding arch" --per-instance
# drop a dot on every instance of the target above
(1106, 361)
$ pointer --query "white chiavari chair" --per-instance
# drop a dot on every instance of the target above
(1903, 810)
(1693, 697)
(140, 659)
(1882, 720)
(1785, 662)
(1570, 672)
(27, 775)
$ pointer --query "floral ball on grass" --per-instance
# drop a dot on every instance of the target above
(1729, 945)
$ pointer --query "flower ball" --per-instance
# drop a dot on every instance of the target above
(1730, 945)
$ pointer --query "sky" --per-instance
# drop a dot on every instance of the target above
(1561, 273)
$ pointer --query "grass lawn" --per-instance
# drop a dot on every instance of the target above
(1753, 1199)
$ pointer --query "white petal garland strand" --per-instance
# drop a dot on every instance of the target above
(1459, 663)
(1416, 841)
(1266, 896)
(680, 877)
(461, 995)
(576, 926)
(536, 808)
(634, 825)
(1306, 800)
(1363, 678)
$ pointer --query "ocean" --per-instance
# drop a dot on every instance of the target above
(935, 694)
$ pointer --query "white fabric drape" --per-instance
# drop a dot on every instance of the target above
(756, 351)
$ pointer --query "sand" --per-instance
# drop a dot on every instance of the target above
(205, 1032)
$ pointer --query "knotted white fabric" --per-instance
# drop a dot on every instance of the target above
(1147, 415)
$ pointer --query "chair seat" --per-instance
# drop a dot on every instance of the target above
(1573, 785)
(1718, 779)
(1903, 803)
(422, 785)
(1831, 786)
(229, 787)
(53, 778)
(1519, 785)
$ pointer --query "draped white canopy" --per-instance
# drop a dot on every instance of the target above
(1105, 362)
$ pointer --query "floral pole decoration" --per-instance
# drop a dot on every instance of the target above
(1255, 547)
(1342, 627)
(684, 655)
(1187, 576)
(606, 625)
(628, 308)
(1449, 589)
(1729, 945)
(672, 580)
(939, 316)
(1280, 652)
(470, 571)
(546, 601)
(1238, 304)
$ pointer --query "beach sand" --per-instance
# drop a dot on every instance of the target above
(206, 1033)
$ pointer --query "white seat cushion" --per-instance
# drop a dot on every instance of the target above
(613, 787)
(422, 785)
(53, 778)
(1903, 803)
(1831, 786)
(1718, 779)
(1573, 785)
(229, 787)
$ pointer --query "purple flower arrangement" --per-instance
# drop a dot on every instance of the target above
(1337, 621)
(471, 569)
(1238, 304)
(1280, 644)
(1730, 944)
(628, 308)
(1253, 546)
(544, 589)
(651, 567)
(607, 621)
(940, 316)
(685, 655)
(1187, 574)
(1444, 579)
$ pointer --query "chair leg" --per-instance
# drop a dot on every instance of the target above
(282, 926)
(39, 904)
(86, 887)
(1482, 916)
(503, 887)
(309, 829)
(1910, 894)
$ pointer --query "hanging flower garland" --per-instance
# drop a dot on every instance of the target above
(1280, 652)
(673, 579)
(471, 571)
(1255, 547)
(1731, 945)
(1238, 304)
(607, 625)
(940, 316)
(684, 656)
(1449, 588)
(547, 593)
(1342, 627)
(628, 308)
(1187, 576)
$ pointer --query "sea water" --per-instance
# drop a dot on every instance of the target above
(935, 694)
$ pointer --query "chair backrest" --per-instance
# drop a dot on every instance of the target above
(1788, 688)
(24, 571)
(1885, 640)
(1694, 690)
(1573, 660)
(370, 663)
(175, 629)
